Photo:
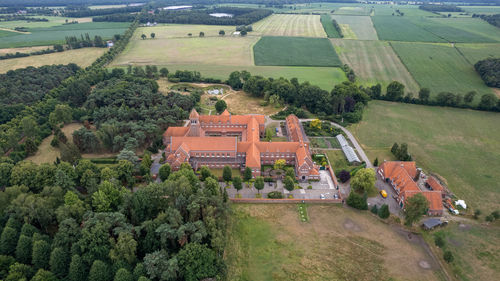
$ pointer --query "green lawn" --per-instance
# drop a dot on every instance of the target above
(338, 161)
(295, 51)
(440, 67)
(330, 30)
(463, 146)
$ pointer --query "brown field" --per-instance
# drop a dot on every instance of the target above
(239, 102)
(269, 242)
(82, 57)
(290, 25)
(23, 49)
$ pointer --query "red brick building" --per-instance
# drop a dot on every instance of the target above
(234, 140)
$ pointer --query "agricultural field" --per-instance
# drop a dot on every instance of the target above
(402, 29)
(482, 9)
(164, 31)
(476, 52)
(82, 57)
(440, 67)
(374, 62)
(57, 34)
(226, 50)
(290, 25)
(295, 51)
(354, 11)
(52, 21)
(462, 146)
(361, 26)
(23, 50)
(270, 242)
(330, 30)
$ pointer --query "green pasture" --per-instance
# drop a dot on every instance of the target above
(440, 67)
(402, 29)
(5, 33)
(476, 52)
(463, 146)
(52, 21)
(362, 26)
(408, 10)
(295, 51)
(482, 9)
(57, 34)
(330, 30)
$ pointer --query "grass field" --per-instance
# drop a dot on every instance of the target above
(463, 146)
(476, 52)
(361, 26)
(402, 29)
(330, 30)
(440, 67)
(290, 25)
(374, 62)
(57, 34)
(82, 57)
(197, 50)
(356, 11)
(239, 102)
(482, 9)
(163, 31)
(295, 51)
(270, 242)
(52, 21)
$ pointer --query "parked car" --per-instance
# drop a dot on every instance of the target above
(383, 193)
(322, 196)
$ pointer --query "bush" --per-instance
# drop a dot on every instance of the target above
(344, 176)
(448, 256)
(275, 195)
(439, 241)
(357, 201)
(374, 209)
(383, 212)
(309, 187)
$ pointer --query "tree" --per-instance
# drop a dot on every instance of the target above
(315, 124)
(279, 164)
(424, 94)
(143, 36)
(415, 208)
(41, 252)
(5, 172)
(107, 174)
(125, 249)
(159, 267)
(395, 91)
(58, 262)
(124, 170)
(243, 33)
(77, 269)
(8, 241)
(128, 155)
(477, 213)
(197, 262)
(269, 134)
(23, 249)
(163, 72)
(99, 271)
(364, 181)
(5, 263)
(222, 32)
(61, 114)
(383, 212)
(153, 35)
(164, 172)
(395, 148)
(237, 183)
(439, 241)
(69, 153)
(488, 102)
(123, 275)
(227, 173)
(448, 256)
(469, 97)
(357, 201)
(220, 106)
(44, 275)
(108, 197)
(259, 184)
(375, 162)
(202, 34)
(344, 176)
(247, 174)
(289, 183)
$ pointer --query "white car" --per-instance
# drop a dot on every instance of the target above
(322, 196)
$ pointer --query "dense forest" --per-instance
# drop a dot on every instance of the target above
(22, 87)
(489, 70)
(79, 223)
(491, 19)
(440, 8)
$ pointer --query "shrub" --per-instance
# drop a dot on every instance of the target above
(344, 176)
(275, 195)
(383, 212)
(357, 201)
(374, 209)
(309, 187)
(439, 241)
(448, 256)
(495, 214)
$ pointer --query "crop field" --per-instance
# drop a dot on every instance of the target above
(374, 62)
(440, 67)
(52, 21)
(270, 242)
(290, 25)
(482, 9)
(23, 49)
(6, 33)
(402, 29)
(330, 30)
(57, 34)
(408, 10)
(355, 11)
(295, 51)
(82, 57)
(476, 52)
(163, 31)
(361, 26)
(463, 146)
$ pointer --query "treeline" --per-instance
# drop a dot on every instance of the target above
(20, 136)
(74, 42)
(241, 16)
(491, 19)
(56, 48)
(396, 92)
(87, 12)
(23, 18)
(489, 70)
(440, 8)
(83, 222)
(345, 102)
(337, 27)
(51, 3)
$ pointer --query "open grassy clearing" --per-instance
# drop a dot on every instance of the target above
(474, 247)
(440, 67)
(362, 26)
(163, 31)
(295, 51)
(239, 102)
(196, 51)
(270, 242)
(402, 29)
(82, 57)
(57, 34)
(290, 25)
(476, 52)
(463, 146)
(327, 23)
(374, 62)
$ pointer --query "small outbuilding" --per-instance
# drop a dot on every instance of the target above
(432, 223)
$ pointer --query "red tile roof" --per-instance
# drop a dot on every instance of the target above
(434, 198)
(434, 184)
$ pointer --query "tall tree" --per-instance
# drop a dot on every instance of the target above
(364, 181)
(59, 260)
(259, 184)
(415, 208)
(289, 183)
(227, 173)
(164, 172)
(237, 183)
(77, 269)
(99, 271)
(8, 241)
(41, 252)
(23, 249)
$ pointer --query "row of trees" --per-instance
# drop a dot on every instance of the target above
(74, 42)
(78, 223)
(440, 8)
(82, 12)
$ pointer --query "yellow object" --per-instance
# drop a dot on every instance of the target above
(383, 193)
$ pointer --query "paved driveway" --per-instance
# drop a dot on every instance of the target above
(390, 201)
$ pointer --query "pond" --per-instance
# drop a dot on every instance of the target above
(221, 15)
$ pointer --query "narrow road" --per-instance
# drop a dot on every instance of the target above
(358, 147)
